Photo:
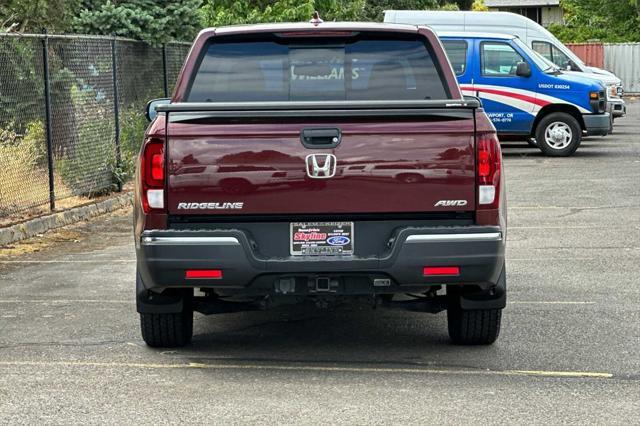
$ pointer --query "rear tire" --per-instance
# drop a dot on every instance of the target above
(473, 327)
(167, 330)
(558, 134)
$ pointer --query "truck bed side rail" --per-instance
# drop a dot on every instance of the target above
(442, 108)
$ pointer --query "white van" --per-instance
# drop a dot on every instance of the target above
(534, 35)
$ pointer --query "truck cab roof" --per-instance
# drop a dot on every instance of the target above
(308, 26)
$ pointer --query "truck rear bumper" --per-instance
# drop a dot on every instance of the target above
(597, 124)
(163, 258)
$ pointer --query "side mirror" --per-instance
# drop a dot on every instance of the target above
(150, 111)
(523, 69)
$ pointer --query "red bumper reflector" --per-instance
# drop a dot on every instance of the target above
(211, 274)
(441, 270)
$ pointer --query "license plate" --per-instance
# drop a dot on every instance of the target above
(321, 238)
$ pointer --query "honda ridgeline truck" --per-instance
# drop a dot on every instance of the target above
(369, 175)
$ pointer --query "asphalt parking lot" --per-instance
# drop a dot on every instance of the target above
(70, 349)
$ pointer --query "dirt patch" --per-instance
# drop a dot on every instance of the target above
(72, 238)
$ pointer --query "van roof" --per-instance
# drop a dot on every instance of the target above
(465, 34)
(420, 17)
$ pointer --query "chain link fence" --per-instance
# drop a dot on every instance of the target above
(72, 114)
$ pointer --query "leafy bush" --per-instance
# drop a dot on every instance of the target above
(21, 91)
(450, 6)
(23, 179)
(229, 12)
(604, 20)
(479, 6)
(133, 124)
(8, 135)
(35, 142)
(32, 144)
(87, 170)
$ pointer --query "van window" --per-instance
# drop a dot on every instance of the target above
(457, 53)
(367, 68)
(562, 60)
(499, 59)
(555, 55)
(543, 48)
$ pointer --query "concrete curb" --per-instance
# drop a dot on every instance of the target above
(39, 225)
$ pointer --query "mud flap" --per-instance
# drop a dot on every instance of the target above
(493, 298)
(170, 301)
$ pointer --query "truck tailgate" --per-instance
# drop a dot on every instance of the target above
(261, 167)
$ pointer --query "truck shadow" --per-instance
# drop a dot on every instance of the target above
(342, 336)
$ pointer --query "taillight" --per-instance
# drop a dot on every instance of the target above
(157, 167)
(488, 177)
(152, 172)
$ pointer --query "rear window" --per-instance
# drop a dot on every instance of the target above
(309, 70)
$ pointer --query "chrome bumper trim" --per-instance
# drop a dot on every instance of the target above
(448, 238)
(172, 241)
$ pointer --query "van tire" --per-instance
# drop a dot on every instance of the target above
(167, 330)
(565, 127)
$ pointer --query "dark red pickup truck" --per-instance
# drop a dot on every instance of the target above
(319, 163)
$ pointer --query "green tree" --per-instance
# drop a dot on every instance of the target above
(229, 12)
(479, 6)
(464, 4)
(606, 20)
(34, 15)
(374, 9)
(450, 6)
(153, 21)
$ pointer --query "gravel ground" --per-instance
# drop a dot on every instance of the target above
(70, 349)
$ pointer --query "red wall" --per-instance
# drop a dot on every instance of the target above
(591, 54)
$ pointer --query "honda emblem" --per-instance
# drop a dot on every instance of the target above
(321, 166)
